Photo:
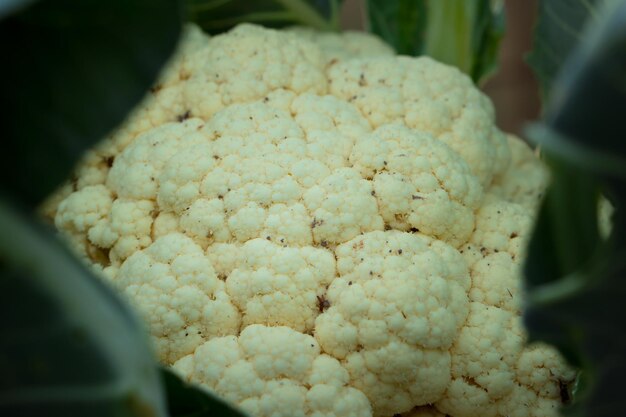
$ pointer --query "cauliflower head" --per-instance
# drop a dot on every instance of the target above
(311, 225)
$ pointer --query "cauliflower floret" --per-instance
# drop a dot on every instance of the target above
(541, 375)
(496, 281)
(395, 310)
(280, 286)
(526, 179)
(81, 214)
(541, 369)
(495, 374)
(342, 207)
(125, 230)
(264, 164)
(419, 182)
(345, 45)
(135, 172)
(428, 96)
(92, 169)
(494, 253)
(501, 227)
(225, 257)
(178, 294)
(81, 210)
(247, 64)
(124, 224)
(483, 362)
(275, 371)
(523, 402)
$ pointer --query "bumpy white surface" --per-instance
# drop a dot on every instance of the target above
(275, 371)
(312, 226)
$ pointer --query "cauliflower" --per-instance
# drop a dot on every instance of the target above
(313, 226)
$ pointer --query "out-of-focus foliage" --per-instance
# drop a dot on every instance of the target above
(76, 69)
(11, 6)
(185, 400)
(216, 16)
(576, 279)
(463, 33)
(69, 346)
(560, 27)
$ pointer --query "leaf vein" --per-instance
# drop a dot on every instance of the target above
(562, 24)
(591, 9)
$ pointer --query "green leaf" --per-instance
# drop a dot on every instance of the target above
(217, 16)
(69, 346)
(463, 33)
(76, 69)
(559, 29)
(576, 280)
(186, 400)
(588, 99)
(582, 314)
(562, 253)
(588, 327)
(11, 6)
(571, 199)
(401, 23)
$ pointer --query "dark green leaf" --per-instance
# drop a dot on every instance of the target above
(571, 199)
(400, 23)
(11, 6)
(69, 346)
(585, 156)
(589, 98)
(217, 16)
(561, 253)
(186, 400)
(576, 281)
(72, 72)
(463, 33)
(559, 29)
(563, 248)
(489, 29)
(586, 323)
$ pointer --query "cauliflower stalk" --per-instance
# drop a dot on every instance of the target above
(313, 226)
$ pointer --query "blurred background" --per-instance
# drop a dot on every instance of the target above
(513, 88)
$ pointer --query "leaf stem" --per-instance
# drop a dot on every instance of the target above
(576, 153)
(335, 12)
(449, 32)
(558, 290)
